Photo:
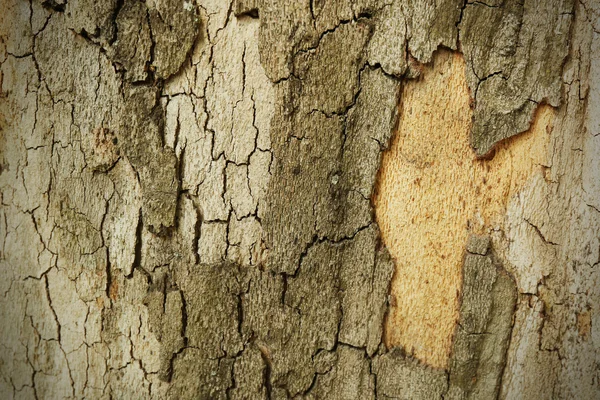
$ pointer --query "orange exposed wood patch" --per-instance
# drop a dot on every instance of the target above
(433, 192)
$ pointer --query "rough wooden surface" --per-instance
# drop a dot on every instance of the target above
(186, 198)
(515, 52)
(433, 192)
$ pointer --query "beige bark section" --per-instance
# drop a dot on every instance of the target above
(433, 193)
(75, 257)
(551, 243)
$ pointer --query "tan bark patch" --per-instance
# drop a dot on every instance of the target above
(433, 192)
(584, 324)
(113, 290)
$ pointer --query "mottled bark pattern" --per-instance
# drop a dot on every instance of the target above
(186, 199)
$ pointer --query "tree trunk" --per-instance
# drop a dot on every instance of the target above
(265, 199)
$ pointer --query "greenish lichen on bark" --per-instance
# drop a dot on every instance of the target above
(516, 52)
(483, 332)
(166, 316)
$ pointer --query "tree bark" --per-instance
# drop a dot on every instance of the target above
(264, 199)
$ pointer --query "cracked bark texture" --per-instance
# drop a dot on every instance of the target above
(186, 199)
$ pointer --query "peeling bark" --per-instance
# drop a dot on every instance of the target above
(189, 204)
